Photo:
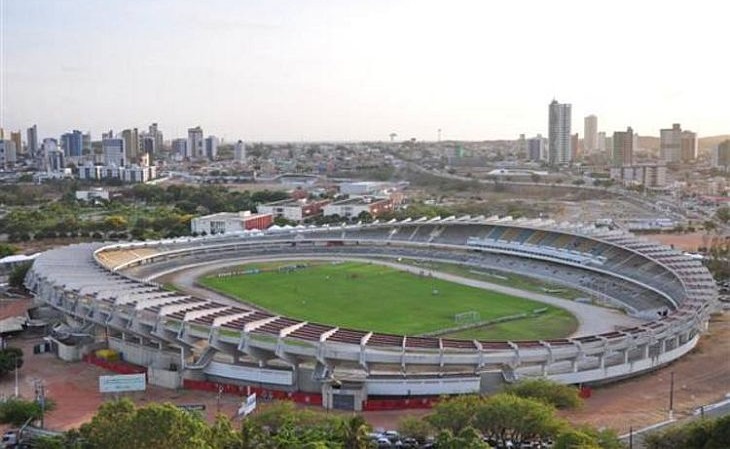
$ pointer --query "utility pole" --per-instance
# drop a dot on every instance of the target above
(671, 395)
(17, 390)
(218, 398)
(40, 396)
(631, 437)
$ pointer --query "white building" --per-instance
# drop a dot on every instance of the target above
(129, 174)
(590, 134)
(138, 174)
(559, 138)
(90, 171)
(294, 210)
(228, 222)
(648, 175)
(88, 195)
(353, 207)
(362, 188)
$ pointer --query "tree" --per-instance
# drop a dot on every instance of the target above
(10, 360)
(354, 433)
(115, 223)
(118, 425)
(17, 411)
(720, 435)
(723, 214)
(412, 427)
(576, 439)
(454, 414)
(467, 438)
(694, 435)
(223, 435)
(506, 416)
(17, 276)
(7, 250)
(558, 395)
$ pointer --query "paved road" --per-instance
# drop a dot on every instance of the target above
(591, 319)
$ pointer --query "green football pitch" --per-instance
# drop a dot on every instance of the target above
(374, 297)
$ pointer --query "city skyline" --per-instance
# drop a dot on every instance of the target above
(309, 71)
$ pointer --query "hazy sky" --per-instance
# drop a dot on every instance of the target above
(359, 70)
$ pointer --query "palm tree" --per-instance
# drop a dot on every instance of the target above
(354, 433)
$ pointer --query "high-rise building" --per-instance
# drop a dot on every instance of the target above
(16, 139)
(55, 160)
(131, 145)
(670, 143)
(195, 143)
(688, 146)
(114, 152)
(211, 147)
(722, 156)
(107, 135)
(575, 149)
(72, 144)
(559, 148)
(32, 135)
(156, 134)
(7, 154)
(239, 151)
(49, 144)
(590, 134)
(623, 148)
(180, 148)
(536, 148)
(147, 145)
(521, 146)
(602, 142)
(86, 144)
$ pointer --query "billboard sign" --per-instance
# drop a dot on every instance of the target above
(192, 407)
(122, 382)
(248, 406)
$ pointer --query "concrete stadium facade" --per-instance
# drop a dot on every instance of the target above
(107, 289)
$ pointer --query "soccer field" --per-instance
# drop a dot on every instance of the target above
(373, 297)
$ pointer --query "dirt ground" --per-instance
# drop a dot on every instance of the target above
(685, 242)
(701, 377)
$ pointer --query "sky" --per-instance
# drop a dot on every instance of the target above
(301, 70)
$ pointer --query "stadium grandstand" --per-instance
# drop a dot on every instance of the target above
(186, 341)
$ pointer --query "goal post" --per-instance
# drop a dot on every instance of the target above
(469, 317)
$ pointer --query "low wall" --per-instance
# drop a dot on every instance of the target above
(164, 378)
(142, 355)
(263, 394)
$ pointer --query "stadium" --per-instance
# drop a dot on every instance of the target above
(108, 291)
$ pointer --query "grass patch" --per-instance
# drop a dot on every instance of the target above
(551, 324)
(500, 278)
(373, 297)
